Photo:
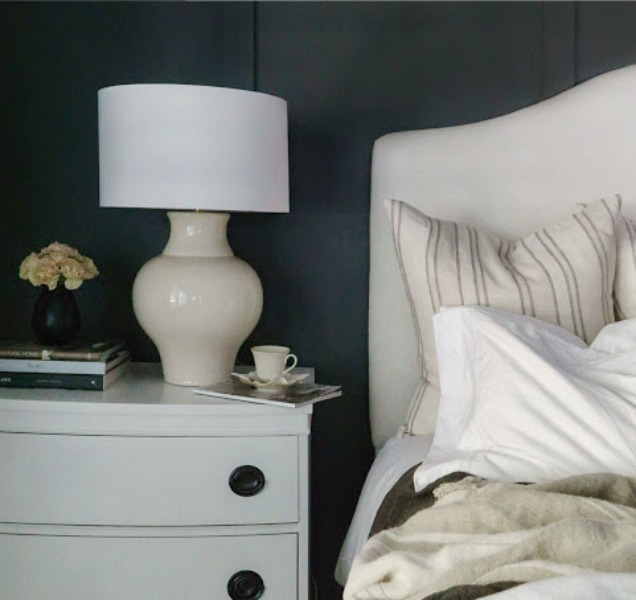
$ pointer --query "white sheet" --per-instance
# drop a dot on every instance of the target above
(590, 586)
(525, 400)
(396, 457)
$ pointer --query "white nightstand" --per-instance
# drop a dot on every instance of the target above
(147, 491)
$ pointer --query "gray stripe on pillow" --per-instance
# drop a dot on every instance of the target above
(609, 210)
(557, 312)
(598, 253)
(460, 288)
(630, 231)
(416, 403)
(515, 277)
(438, 230)
(481, 269)
(397, 236)
(575, 281)
(472, 263)
(428, 263)
(608, 277)
(571, 299)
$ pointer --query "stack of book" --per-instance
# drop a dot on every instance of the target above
(76, 366)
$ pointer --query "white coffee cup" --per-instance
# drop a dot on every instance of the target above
(271, 361)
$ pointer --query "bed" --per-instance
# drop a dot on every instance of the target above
(510, 176)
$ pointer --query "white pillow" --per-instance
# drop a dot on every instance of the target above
(563, 274)
(525, 400)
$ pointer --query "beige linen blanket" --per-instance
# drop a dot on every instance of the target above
(480, 532)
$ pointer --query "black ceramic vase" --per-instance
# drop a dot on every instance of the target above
(56, 320)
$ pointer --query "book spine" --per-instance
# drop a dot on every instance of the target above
(87, 355)
(49, 367)
(80, 356)
(58, 354)
(33, 354)
(52, 381)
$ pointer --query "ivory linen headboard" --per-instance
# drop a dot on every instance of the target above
(510, 175)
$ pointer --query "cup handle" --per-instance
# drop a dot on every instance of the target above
(294, 363)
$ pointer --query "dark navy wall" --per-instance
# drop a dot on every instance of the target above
(350, 73)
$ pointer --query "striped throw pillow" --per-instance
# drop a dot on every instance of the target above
(563, 274)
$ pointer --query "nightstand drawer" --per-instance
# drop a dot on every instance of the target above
(103, 568)
(105, 480)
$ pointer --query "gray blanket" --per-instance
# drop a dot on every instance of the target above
(480, 532)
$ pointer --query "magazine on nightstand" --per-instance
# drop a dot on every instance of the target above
(293, 396)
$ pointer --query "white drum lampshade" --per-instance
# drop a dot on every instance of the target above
(195, 151)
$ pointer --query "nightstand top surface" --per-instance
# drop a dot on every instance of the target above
(142, 385)
(141, 390)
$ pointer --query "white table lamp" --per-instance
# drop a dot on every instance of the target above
(194, 150)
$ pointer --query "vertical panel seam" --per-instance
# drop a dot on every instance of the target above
(255, 46)
(542, 53)
(577, 28)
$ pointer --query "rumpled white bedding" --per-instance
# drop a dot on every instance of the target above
(481, 531)
(587, 586)
(527, 401)
(396, 457)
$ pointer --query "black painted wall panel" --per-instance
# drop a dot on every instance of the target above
(559, 47)
(605, 37)
(350, 73)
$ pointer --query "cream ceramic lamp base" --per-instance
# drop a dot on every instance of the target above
(197, 301)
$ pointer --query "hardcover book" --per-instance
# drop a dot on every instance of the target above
(79, 350)
(77, 367)
(65, 381)
(293, 396)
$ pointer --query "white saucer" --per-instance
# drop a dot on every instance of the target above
(275, 383)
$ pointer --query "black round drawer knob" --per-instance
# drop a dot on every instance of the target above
(247, 480)
(245, 585)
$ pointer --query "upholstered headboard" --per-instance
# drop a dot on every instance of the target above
(509, 175)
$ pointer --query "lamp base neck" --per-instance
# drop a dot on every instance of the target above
(195, 233)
